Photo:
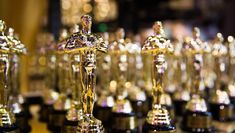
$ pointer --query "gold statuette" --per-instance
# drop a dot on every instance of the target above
(182, 94)
(17, 49)
(196, 117)
(231, 71)
(122, 111)
(7, 118)
(158, 118)
(74, 113)
(16, 99)
(136, 95)
(49, 91)
(87, 44)
(62, 103)
(105, 101)
(220, 105)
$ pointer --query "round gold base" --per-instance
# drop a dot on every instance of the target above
(56, 120)
(90, 124)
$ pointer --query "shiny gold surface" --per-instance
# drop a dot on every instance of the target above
(183, 95)
(134, 73)
(5, 48)
(18, 14)
(86, 44)
(7, 117)
(119, 64)
(16, 45)
(219, 51)
(5, 44)
(17, 49)
(48, 59)
(105, 101)
(196, 104)
(41, 127)
(63, 71)
(158, 116)
(231, 55)
(195, 50)
(106, 98)
(220, 97)
(180, 71)
(158, 46)
(75, 111)
(122, 106)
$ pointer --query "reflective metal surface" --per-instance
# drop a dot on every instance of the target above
(158, 46)
(87, 44)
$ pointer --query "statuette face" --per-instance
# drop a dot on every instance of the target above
(196, 32)
(158, 42)
(120, 34)
(85, 39)
(16, 45)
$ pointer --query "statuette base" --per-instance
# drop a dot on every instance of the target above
(104, 114)
(124, 122)
(197, 122)
(90, 124)
(222, 112)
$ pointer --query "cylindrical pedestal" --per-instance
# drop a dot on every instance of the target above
(26, 110)
(30, 101)
(150, 101)
(222, 112)
(69, 126)
(10, 129)
(197, 122)
(56, 120)
(22, 122)
(147, 128)
(124, 123)
(232, 99)
(140, 108)
(104, 114)
(44, 112)
(179, 107)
